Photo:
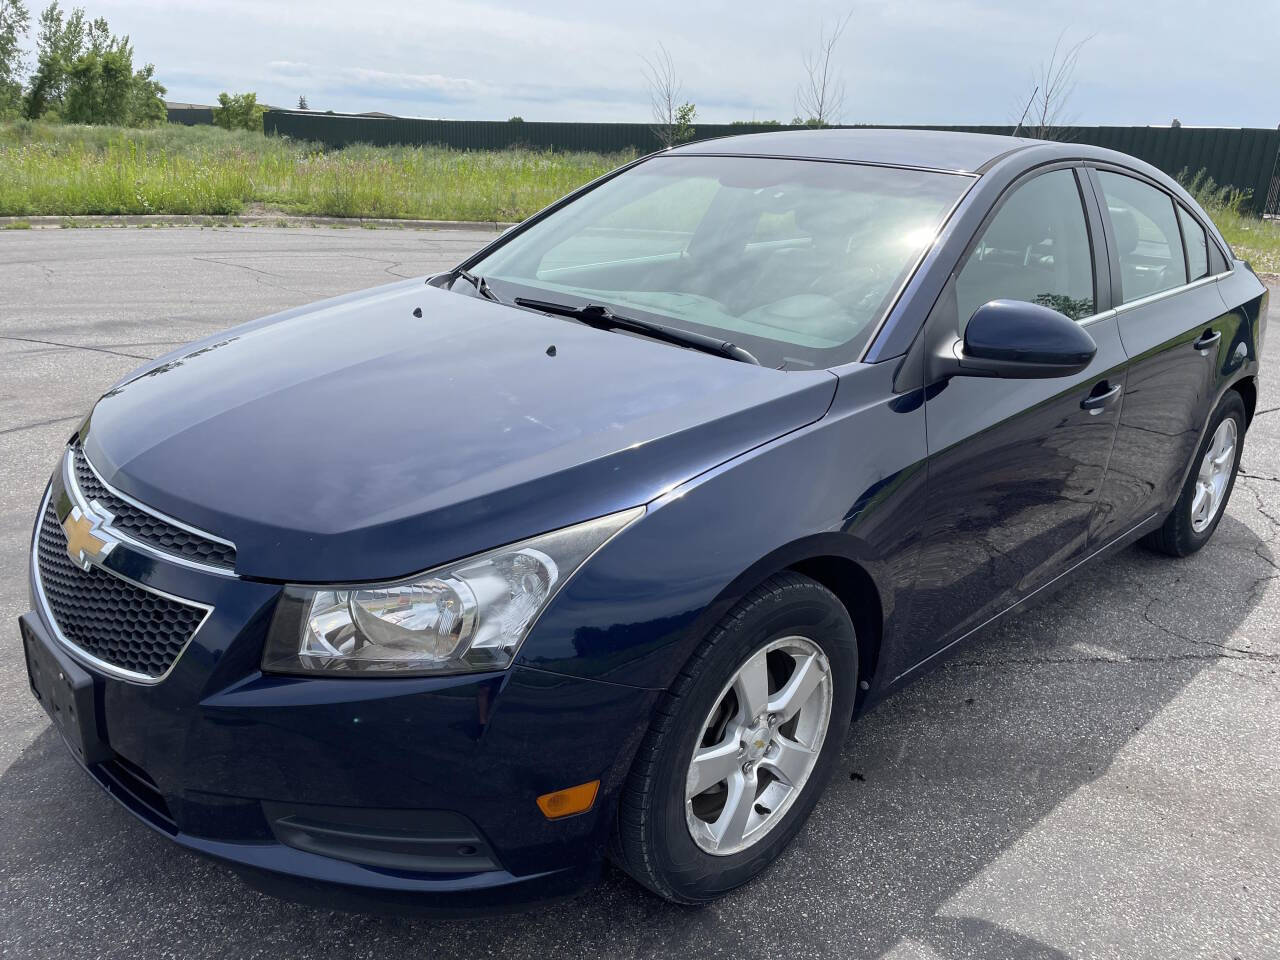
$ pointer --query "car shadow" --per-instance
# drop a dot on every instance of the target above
(936, 784)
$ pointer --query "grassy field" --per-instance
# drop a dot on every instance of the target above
(1252, 239)
(66, 170)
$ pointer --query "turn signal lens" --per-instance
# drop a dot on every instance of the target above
(565, 803)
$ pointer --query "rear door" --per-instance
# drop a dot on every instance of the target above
(1015, 466)
(1171, 320)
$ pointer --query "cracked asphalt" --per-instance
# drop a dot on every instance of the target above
(1099, 777)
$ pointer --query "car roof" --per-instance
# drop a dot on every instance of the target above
(930, 149)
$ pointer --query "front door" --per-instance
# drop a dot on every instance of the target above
(1015, 466)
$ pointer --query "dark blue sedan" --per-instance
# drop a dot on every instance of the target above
(436, 595)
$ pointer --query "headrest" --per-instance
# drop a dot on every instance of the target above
(1125, 225)
(822, 220)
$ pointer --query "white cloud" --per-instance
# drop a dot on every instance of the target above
(288, 68)
(427, 82)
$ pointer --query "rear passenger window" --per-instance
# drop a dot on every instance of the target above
(1147, 241)
(1035, 249)
(1197, 245)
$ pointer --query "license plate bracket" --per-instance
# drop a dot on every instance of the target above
(68, 693)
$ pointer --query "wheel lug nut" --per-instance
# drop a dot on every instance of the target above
(773, 718)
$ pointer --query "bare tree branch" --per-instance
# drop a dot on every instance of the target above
(1046, 112)
(664, 95)
(820, 95)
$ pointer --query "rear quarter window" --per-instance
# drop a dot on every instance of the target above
(1197, 243)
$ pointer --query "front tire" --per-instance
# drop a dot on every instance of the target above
(1204, 496)
(742, 745)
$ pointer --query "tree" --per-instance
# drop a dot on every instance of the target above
(59, 43)
(240, 111)
(84, 74)
(302, 103)
(146, 99)
(683, 129)
(672, 120)
(820, 95)
(1046, 110)
(99, 85)
(14, 22)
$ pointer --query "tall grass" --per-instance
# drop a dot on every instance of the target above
(63, 170)
(1251, 237)
(67, 170)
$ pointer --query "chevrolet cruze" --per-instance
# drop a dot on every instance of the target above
(438, 594)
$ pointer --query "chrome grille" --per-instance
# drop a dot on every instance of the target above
(119, 624)
(146, 527)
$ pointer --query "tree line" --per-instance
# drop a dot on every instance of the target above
(83, 72)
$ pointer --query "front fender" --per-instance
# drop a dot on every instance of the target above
(851, 485)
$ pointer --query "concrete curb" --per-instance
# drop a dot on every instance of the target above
(242, 220)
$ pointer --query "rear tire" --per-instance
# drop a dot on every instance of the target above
(1204, 496)
(795, 636)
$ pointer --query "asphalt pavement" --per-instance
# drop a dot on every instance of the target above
(1099, 777)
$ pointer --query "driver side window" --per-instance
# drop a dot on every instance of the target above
(1036, 248)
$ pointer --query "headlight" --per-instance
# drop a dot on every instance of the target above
(464, 617)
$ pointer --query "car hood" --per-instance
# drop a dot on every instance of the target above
(382, 433)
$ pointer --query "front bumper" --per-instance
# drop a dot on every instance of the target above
(412, 793)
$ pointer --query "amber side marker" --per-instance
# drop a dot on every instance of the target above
(567, 802)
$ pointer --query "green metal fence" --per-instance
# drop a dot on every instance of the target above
(1243, 158)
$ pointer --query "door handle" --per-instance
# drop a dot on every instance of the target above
(1208, 339)
(1096, 402)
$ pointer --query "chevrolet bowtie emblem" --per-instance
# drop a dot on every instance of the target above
(87, 542)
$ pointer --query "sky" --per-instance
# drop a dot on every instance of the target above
(910, 61)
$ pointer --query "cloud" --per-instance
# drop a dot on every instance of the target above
(408, 82)
(287, 68)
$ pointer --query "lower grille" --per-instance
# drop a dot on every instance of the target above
(112, 620)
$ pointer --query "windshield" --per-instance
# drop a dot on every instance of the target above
(795, 260)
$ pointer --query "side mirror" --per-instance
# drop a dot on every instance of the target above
(1019, 340)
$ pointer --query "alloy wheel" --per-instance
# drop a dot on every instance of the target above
(758, 746)
(1214, 475)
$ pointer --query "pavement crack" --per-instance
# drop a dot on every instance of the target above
(1258, 476)
(1260, 551)
(1225, 653)
(392, 271)
(1240, 653)
(38, 423)
(238, 266)
(1262, 509)
(1152, 600)
(77, 346)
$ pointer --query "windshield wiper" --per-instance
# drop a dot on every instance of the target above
(602, 318)
(477, 281)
